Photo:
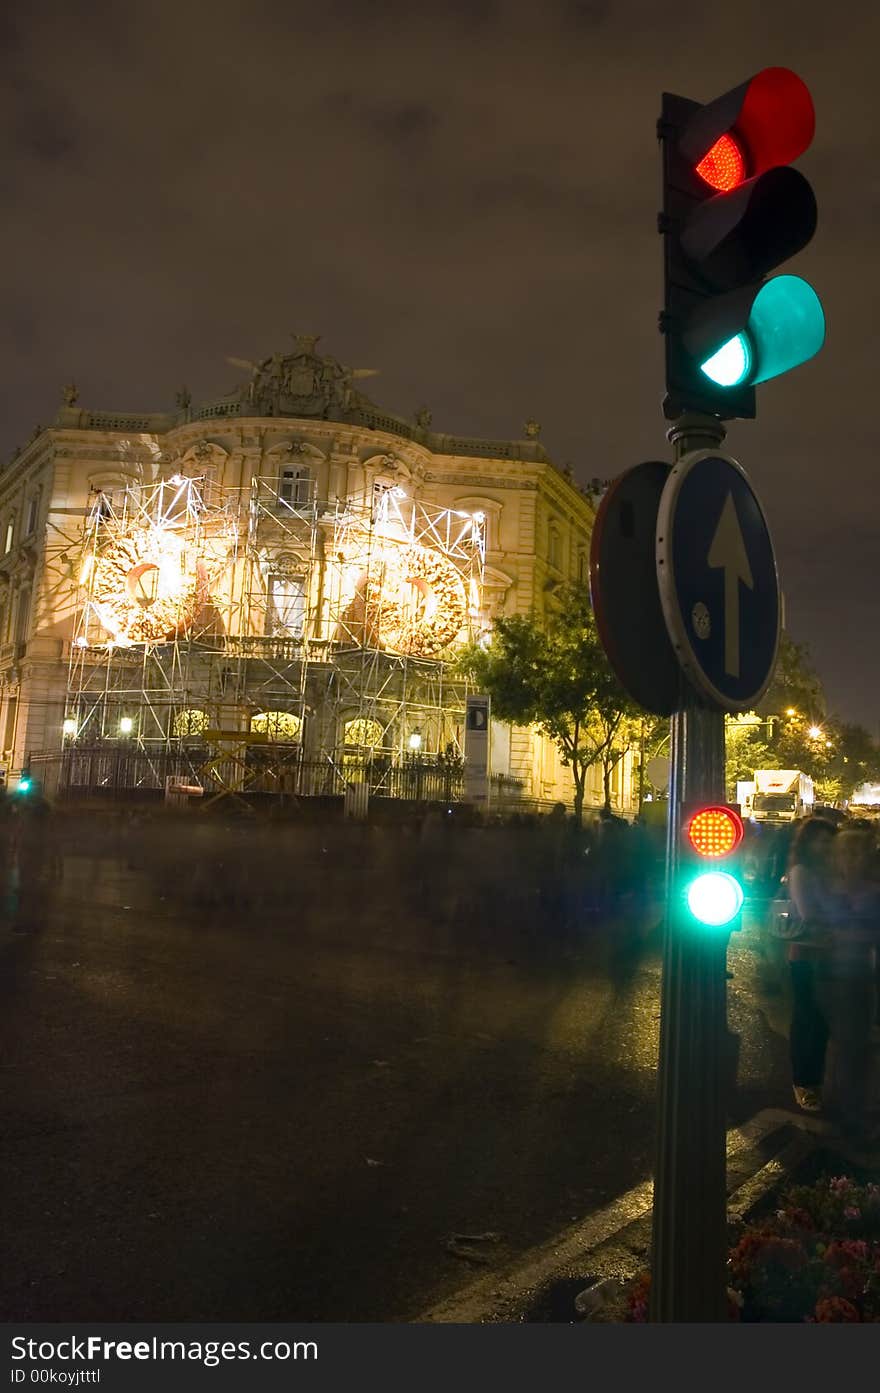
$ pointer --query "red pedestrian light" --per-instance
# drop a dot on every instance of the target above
(715, 832)
(723, 167)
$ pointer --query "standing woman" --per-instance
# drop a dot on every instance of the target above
(810, 876)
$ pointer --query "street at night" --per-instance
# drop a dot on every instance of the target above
(439, 733)
(287, 1110)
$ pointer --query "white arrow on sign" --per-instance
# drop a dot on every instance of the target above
(727, 551)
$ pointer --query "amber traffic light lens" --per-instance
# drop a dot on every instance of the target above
(715, 832)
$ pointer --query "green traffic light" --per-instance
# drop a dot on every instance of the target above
(732, 363)
(24, 785)
(714, 898)
(785, 327)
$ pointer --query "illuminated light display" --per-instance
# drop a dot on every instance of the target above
(413, 600)
(723, 167)
(714, 832)
(147, 586)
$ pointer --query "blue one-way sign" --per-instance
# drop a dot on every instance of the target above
(718, 583)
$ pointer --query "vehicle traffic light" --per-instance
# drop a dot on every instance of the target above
(711, 891)
(733, 210)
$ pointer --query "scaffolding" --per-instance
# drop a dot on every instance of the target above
(243, 640)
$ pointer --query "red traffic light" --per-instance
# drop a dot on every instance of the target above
(714, 831)
(723, 167)
(762, 124)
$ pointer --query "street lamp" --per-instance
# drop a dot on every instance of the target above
(415, 741)
(126, 725)
(815, 732)
(69, 726)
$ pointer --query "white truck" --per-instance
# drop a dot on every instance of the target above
(781, 795)
(745, 793)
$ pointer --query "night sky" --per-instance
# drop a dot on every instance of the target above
(461, 195)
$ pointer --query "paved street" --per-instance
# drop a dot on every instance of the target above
(289, 1112)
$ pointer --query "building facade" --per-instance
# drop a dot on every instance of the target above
(274, 579)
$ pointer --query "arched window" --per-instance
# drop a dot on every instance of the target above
(282, 726)
(190, 722)
(364, 734)
(491, 510)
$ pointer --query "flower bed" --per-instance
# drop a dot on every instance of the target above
(816, 1258)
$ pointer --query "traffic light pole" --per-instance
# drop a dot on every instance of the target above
(689, 1244)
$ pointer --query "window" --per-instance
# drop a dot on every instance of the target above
(11, 709)
(10, 535)
(286, 609)
(295, 487)
(583, 566)
(190, 722)
(23, 614)
(363, 733)
(33, 513)
(554, 546)
(282, 726)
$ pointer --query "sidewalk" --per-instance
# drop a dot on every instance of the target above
(614, 1242)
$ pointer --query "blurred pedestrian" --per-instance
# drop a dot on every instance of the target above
(851, 979)
(817, 909)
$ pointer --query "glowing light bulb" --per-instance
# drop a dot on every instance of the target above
(715, 898)
(723, 167)
(731, 364)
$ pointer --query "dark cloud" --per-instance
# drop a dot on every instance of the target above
(463, 195)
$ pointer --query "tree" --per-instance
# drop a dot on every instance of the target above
(746, 748)
(796, 687)
(554, 674)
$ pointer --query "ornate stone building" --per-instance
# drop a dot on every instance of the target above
(287, 566)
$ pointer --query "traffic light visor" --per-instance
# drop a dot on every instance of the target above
(765, 122)
(714, 831)
(786, 326)
(778, 120)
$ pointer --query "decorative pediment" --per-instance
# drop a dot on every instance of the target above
(295, 452)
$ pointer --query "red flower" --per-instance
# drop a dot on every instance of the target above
(836, 1308)
(842, 1252)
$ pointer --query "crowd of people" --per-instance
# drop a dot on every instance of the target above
(546, 880)
(833, 944)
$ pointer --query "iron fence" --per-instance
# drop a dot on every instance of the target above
(129, 773)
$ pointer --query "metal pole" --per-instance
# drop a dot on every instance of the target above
(689, 1244)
